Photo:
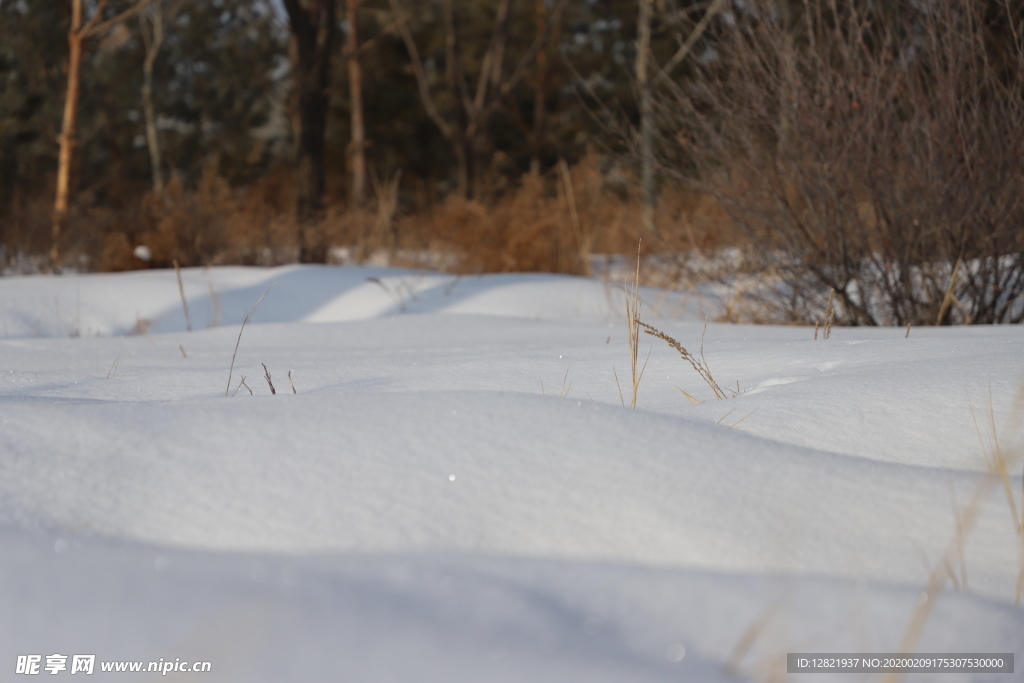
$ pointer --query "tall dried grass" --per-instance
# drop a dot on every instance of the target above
(1000, 460)
(633, 325)
(699, 364)
(552, 222)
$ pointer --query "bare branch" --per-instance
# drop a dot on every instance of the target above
(520, 71)
(96, 29)
(368, 45)
(490, 67)
(453, 56)
(418, 71)
(685, 48)
(97, 13)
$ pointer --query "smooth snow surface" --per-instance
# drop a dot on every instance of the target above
(455, 493)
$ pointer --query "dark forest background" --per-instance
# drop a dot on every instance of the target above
(870, 149)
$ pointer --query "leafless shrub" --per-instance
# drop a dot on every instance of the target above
(867, 147)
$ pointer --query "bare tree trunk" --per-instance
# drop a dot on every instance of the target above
(357, 147)
(540, 108)
(67, 133)
(461, 102)
(154, 40)
(77, 34)
(313, 26)
(643, 50)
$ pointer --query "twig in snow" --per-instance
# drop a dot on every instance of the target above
(633, 325)
(239, 341)
(397, 296)
(733, 425)
(113, 366)
(266, 375)
(240, 385)
(291, 382)
(565, 391)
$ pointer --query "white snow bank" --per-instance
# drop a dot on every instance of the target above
(421, 511)
(498, 474)
(451, 618)
(117, 303)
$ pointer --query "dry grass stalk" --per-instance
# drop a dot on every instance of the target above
(617, 386)
(182, 349)
(181, 291)
(907, 335)
(215, 306)
(998, 463)
(937, 579)
(699, 364)
(239, 340)
(690, 398)
(633, 326)
(266, 375)
(291, 382)
(830, 313)
(386, 192)
(959, 579)
(564, 391)
(113, 366)
(751, 635)
(1020, 544)
(582, 241)
(737, 422)
(816, 326)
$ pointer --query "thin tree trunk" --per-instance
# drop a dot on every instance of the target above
(646, 119)
(357, 148)
(313, 27)
(77, 33)
(461, 101)
(154, 42)
(310, 176)
(540, 108)
(67, 134)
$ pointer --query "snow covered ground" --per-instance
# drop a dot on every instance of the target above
(455, 492)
